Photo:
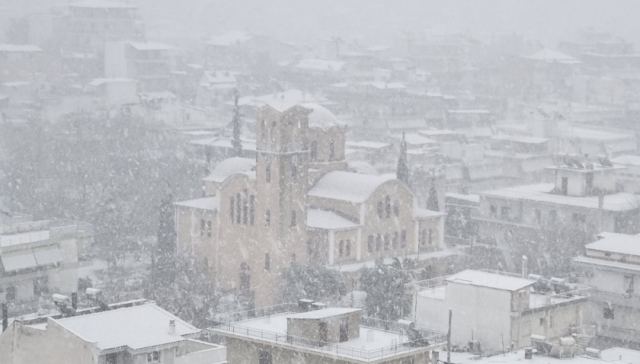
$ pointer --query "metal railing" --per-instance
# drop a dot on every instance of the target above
(230, 323)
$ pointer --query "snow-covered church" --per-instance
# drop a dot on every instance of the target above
(298, 202)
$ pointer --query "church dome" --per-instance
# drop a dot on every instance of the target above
(321, 117)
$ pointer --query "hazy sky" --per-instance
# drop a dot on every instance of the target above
(303, 19)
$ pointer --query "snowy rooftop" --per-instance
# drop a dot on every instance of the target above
(597, 134)
(364, 144)
(608, 356)
(103, 4)
(490, 280)
(628, 160)
(218, 142)
(23, 238)
(324, 313)
(205, 203)
(473, 198)
(609, 264)
(281, 100)
(419, 212)
(328, 220)
(372, 344)
(321, 117)
(348, 186)
(552, 56)
(135, 327)
(19, 48)
(319, 65)
(232, 166)
(542, 193)
(520, 139)
(617, 243)
(229, 39)
(151, 46)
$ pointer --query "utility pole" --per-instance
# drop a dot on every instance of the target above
(449, 339)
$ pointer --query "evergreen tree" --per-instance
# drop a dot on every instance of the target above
(235, 142)
(164, 254)
(313, 282)
(387, 296)
(402, 170)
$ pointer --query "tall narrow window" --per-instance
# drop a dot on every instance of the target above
(394, 241)
(378, 242)
(380, 209)
(267, 261)
(403, 238)
(430, 237)
(387, 241)
(422, 237)
(267, 173)
(314, 150)
(332, 150)
(209, 228)
(396, 208)
(293, 219)
(387, 206)
(341, 248)
(245, 207)
(202, 227)
(238, 208)
(252, 209)
(267, 217)
(348, 248)
(232, 209)
(264, 357)
(370, 243)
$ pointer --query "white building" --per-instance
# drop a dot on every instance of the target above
(611, 265)
(495, 311)
(39, 258)
(133, 332)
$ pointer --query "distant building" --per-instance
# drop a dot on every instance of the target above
(149, 63)
(495, 311)
(611, 265)
(296, 202)
(327, 335)
(129, 333)
(583, 196)
(38, 258)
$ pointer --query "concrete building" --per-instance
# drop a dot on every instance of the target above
(149, 63)
(584, 196)
(328, 335)
(133, 332)
(295, 202)
(611, 266)
(39, 258)
(494, 312)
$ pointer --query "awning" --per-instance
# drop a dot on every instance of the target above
(48, 255)
(19, 260)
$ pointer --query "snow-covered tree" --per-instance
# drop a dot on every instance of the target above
(402, 169)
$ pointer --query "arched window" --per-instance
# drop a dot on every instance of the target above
(252, 209)
(245, 277)
(348, 248)
(267, 217)
(232, 208)
(293, 219)
(370, 243)
(341, 248)
(387, 206)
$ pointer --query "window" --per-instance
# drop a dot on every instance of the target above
(232, 208)
(421, 237)
(267, 261)
(628, 284)
(111, 358)
(396, 208)
(294, 169)
(403, 238)
(538, 217)
(238, 209)
(608, 312)
(430, 237)
(209, 228)
(11, 293)
(332, 150)
(293, 219)
(40, 285)
(493, 210)
(252, 209)
(387, 206)
(578, 218)
(387, 241)
(541, 321)
(378, 242)
(565, 185)
(202, 227)
(341, 248)
(348, 248)
(314, 150)
(394, 241)
(370, 243)
(267, 217)
(505, 212)
(553, 216)
(267, 173)
(245, 208)
(153, 357)
(264, 357)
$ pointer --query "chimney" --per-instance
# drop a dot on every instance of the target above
(525, 268)
(74, 300)
(5, 317)
(172, 327)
